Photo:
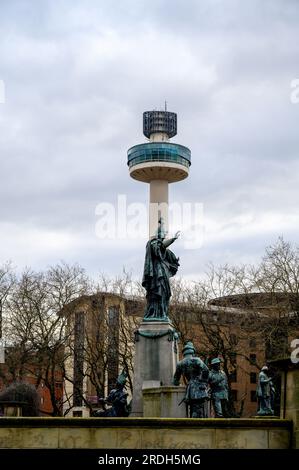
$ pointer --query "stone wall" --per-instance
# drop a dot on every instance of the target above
(290, 398)
(145, 433)
(164, 402)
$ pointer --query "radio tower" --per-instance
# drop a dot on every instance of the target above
(159, 162)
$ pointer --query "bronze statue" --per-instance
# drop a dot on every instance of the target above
(265, 393)
(219, 389)
(195, 371)
(160, 264)
(117, 398)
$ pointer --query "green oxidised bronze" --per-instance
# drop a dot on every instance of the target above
(172, 335)
(159, 266)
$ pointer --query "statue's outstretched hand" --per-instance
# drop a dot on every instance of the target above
(178, 233)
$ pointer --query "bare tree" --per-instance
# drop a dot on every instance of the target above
(109, 318)
(221, 312)
(7, 279)
(278, 276)
(35, 330)
(215, 314)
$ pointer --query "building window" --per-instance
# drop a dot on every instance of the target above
(252, 343)
(253, 396)
(41, 400)
(233, 376)
(234, 395)
(252, 358)
(77, 414)
(78, 358)
(253, 377)
(113, 343)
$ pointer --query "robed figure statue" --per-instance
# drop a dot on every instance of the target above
(160, 264)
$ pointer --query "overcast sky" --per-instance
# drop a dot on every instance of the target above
(78, 76)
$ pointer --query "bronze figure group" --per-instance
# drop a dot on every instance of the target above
(203, 384)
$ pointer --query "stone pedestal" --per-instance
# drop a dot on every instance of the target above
(155, 361)
(164, 402)
(289, 398)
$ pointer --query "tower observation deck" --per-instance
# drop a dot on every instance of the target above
(159, 162)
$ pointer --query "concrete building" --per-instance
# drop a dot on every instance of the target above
(100, 338)
(233, 327)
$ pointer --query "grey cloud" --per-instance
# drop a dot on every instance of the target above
(78, 77)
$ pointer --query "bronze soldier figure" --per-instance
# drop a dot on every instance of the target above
(265, 393)
(219, 389)
(195, 371)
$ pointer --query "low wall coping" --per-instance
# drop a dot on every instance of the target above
(163, 389)
(49, 422)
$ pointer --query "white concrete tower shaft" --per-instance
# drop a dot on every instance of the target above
(158, 206)
(158, 203)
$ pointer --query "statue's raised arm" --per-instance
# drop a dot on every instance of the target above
(168, 242)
